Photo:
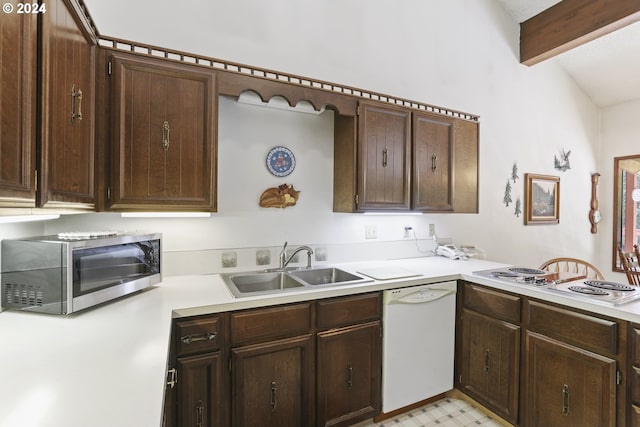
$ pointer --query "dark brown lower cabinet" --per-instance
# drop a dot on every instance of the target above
(201, 392)
(490, 361)
(271, 383)
(305, 364)
(197, 392)
(349, 374)
(568, 386)
(633, 373)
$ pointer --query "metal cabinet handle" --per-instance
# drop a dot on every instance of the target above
(173, 377)
(487, 360)
(188, 339)
(385, 155)
(199, 414)
(165, 135)
(76, 95)
(274, 396)
(565, 400)
(350, 377)
(434, 163)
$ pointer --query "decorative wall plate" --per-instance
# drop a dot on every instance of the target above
(280, 161)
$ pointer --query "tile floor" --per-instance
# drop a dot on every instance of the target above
(448, 412)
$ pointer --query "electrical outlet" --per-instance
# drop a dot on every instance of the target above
(432, 230)
(371, 232)
(407, 229)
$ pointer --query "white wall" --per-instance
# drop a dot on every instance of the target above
(461, 54)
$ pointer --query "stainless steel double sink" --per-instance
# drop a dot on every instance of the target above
(277, 281)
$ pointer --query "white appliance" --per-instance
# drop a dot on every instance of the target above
(418, 343)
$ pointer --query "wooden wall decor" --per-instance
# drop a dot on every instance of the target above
(281, 196)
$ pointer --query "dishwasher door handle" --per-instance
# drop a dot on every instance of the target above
(423, 296)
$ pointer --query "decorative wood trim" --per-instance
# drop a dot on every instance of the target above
(274, 76)
(83, 18)
(571, 23)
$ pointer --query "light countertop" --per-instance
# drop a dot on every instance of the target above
(106, 366)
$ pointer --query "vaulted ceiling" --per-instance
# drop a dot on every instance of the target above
(607, 68)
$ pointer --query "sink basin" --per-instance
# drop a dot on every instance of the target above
(260, 283)
(270, 282)
(327, 276)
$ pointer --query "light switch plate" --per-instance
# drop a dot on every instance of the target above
(371, 232)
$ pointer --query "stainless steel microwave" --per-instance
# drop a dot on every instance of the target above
(69, 272)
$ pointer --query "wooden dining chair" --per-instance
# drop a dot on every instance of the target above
(629, 263)
(572, 265)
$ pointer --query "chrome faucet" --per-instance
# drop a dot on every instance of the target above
(286, 259)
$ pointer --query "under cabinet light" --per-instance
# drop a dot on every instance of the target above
(165, 214)
(27, 218)
(393, 213)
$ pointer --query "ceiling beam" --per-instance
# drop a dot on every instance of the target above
(571, 23)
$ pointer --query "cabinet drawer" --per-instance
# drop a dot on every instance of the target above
(270, 323)
(634, 416)
(634, 379)
(581, 330)
(199, 335)
(344, 311)
(495, 304)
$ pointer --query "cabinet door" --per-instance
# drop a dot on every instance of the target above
(272, 384)
(163, 147)
(349, 371)
(490, 362)
(465, 166)
(432, 162)
(18, 48)
(385, 157)
(68, 78)
(201, 395)
(568, 386)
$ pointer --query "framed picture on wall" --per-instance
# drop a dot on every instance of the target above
(542, 199)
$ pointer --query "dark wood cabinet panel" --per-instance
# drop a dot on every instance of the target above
(18, 48)
(465, 166)
(345, 311)
(583, 330)
(432, 185)
(489, 363)
(273, 383)
(493, 303)
(270, 323)
(568, 386)
(163, 135)
(349, 374)
(199, 335)
(384, 147)
(202, 396)
(66, 174)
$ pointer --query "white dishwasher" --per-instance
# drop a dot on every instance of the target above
(418, 343)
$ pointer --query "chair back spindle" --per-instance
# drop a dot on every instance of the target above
(572, 265)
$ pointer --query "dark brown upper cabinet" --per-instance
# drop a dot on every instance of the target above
(66, 176)
(392, 158)
(54, 82)
(445, 164)
(18, 48)
(163, 135)
(372, 159)
(432, 162)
